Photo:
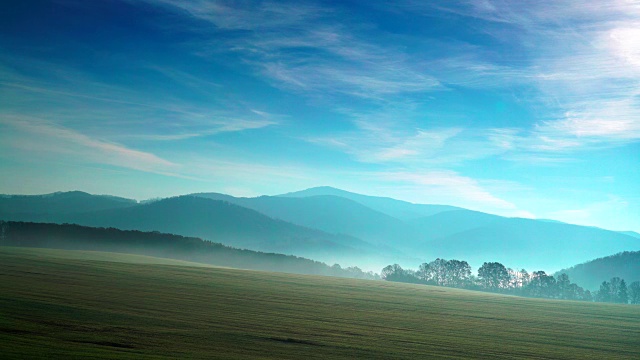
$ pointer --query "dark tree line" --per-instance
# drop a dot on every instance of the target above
(495, 277)
(617, 291)
(75, 237)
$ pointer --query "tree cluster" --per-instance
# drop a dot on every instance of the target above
(495, 277)
(451, 273)
(617, 291)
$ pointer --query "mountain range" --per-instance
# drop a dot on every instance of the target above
(334, 225)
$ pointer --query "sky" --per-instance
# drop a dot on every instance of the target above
(525, 109)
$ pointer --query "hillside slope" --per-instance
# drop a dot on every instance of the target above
(448, 223)
(72, 309)
(328, 213)
(225, 223)
(58, 203)
(531, 244)
(625, 265)
(168, 246)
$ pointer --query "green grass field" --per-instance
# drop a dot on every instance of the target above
(61, 304)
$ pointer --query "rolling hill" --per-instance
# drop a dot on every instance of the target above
(328, 213)
(58, 203)
(530, 244)
(229, 224)
(67, 307)
(448, 223)
(625, 265)
(155, 244)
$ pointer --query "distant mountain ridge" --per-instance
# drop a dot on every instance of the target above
(328, 213)
(630, 233)
(329, 224)
(60, 203)
(474, 236)
(399, 209)
(448, 223)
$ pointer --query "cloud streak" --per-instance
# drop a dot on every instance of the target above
(579, 66)
(582, 69)
(588, 69)
(592, 213)
(30, 135)
(381, 145)
(213, 127)
(81, 104)
(446, 186)
(308, 48)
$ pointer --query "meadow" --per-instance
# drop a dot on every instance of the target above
(73, 304)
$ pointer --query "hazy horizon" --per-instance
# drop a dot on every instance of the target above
(142, 200)
(520, 110)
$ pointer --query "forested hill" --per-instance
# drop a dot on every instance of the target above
(625, 265)
(12, 206)
(222, 222)
(75, 237)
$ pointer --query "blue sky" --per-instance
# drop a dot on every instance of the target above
(527, 109)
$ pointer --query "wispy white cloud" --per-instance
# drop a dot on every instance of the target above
(596, 88)
(52, 92)
(306, 47)
(617, 119)
(625, 43)
(262, 15)
(446, 186)
(213, 127)
(394, 137)
(614, 209)
(581, 70)
(578, 61)
(590, 74)
(581, 74)
(186, 79)
(170, 121)
(456, 186)
(82, 104)
(379, 144)
(356, 79)
(539, 15)
(43, 138)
